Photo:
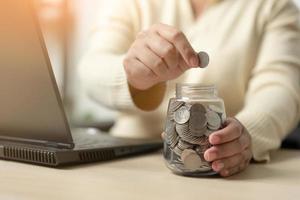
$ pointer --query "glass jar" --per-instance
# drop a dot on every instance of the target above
(192, 116)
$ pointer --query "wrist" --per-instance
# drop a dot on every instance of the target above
(148, 99)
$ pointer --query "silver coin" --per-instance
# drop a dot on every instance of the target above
(204, 59)
(170, 116)
(182, 115)
(213, 120)
(195, 140)
(177, 151)
(170, 127)
(182, 129)
(215, 109)
(174, 105)
(212, 128)
(191, 160)
(223, 117)
(198, 118)
(174, 142)
(208, 133)
(188, 106)
(171, 135)
(197, 107)
(184, 145)
(200, 149)
(199, 132)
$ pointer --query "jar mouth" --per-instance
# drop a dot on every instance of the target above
(194, 90)
(198, 86)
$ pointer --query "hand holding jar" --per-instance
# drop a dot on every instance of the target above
(198, 139)
(231, 150)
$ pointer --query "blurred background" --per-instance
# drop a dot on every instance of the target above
(66, 25)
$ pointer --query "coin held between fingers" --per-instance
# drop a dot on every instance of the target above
(203, 58)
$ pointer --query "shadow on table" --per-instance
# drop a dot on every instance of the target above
(94, 163)
(271, 170)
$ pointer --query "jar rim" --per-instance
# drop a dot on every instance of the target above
(196, 85)
(193, 90)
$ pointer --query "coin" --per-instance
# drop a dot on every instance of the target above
(174, 141)
(204, 59)
(182, 129)
(170, 127)
(215, 109)
(199, 132)
(198, 119)
(171, 135)
(191, 159)
(195, 140)
(177, 150)
(200, 149)
(174, 105)
(182, 115)
(197, 107)
(223, 117)
(188, 106)
(184, 145)
(208, 133)
(213, 120)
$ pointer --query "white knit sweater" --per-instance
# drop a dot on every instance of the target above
(254, 46)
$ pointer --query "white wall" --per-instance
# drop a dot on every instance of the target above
(83, 109)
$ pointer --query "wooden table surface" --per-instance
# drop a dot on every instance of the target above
(146, 177)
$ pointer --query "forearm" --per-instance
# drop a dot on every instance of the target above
(269, 116)
(104, 80)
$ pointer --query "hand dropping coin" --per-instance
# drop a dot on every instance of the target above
(204, 59)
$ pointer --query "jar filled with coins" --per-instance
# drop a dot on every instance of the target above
(192, 116)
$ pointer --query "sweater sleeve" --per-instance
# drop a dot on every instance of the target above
(101, 69)
(272, 107)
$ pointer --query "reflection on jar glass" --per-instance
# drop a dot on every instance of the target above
(192, 116)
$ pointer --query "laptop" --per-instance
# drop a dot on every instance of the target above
(33, 124)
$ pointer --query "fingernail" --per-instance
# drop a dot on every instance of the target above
(210, 156)
(220, 165)
(226, 173)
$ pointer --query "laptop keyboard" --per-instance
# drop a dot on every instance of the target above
(89, 138)
(92, 138)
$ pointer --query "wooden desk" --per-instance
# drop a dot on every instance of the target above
(146, 177)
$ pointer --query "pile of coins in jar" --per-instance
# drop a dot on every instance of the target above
(188, 127)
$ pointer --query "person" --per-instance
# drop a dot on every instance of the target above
(141, 48)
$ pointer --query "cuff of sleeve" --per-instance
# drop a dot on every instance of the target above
(263, 133)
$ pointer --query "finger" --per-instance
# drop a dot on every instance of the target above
(230, 172)
(233, 130)
(152, 61)
(233, 170)
(182, 64)
(227, 149)
(178, 39)
(163, 135)
(163, 49)
(134, 68)
(232, 161)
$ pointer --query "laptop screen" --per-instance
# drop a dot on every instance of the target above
(30, 104)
